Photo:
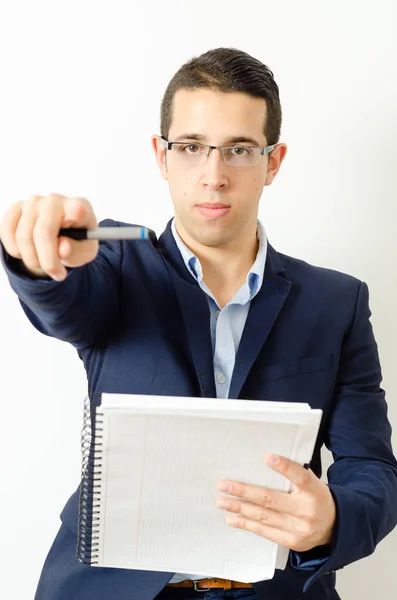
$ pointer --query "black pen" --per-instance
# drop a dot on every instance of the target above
(134, 232)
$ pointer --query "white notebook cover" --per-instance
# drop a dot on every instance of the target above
(161, 459)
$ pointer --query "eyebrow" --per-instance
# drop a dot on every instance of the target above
(233, 140)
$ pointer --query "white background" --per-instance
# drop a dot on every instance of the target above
(81, 86)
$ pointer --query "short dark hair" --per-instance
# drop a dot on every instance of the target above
(226, 70)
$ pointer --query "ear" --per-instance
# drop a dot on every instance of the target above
(161, 155)
(275, 159)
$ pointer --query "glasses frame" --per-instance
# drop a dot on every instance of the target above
(264, 149)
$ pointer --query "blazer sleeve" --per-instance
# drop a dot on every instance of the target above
(80, 308)
(363, 477)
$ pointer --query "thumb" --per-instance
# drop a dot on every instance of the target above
(78, 212)
(74, 253)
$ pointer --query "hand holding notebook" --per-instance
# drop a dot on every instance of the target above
(157, 464)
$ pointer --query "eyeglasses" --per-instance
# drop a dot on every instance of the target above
(237, 156)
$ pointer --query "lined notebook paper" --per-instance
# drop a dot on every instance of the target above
(157, 463)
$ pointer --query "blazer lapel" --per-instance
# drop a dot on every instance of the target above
(263, 313)
(195, 312)
(264, 310)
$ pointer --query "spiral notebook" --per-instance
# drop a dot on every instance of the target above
(149, 481)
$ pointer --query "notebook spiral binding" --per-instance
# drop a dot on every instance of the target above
(90, 487)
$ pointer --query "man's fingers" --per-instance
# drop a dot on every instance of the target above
(298, 475)
(283, 538)
(297, 503)
(78, 213)
(45, 237)
(77, 253)
(254, 512)
(30, 232)
(9, 228)
(24, 233)
(260, 496)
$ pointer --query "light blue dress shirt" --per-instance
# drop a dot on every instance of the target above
(226, 324)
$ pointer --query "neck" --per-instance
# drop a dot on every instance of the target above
(225, 268)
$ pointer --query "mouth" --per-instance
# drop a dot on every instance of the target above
(213, 210)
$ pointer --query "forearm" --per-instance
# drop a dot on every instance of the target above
(77, 309)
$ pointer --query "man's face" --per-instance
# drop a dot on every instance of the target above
(199, 191)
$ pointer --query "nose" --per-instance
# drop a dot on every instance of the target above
(214, 175)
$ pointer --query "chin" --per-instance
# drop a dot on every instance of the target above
(213, 239)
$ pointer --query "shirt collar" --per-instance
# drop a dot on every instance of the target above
(191, 261)
(255, 274)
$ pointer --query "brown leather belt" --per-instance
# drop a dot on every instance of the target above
(206, 584)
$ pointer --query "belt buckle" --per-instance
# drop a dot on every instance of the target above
(195, 582)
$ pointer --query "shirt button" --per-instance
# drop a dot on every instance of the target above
(221, 378)
(217, 313)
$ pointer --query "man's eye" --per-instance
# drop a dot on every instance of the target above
(240, 150)
(193, 148)
(190, 148)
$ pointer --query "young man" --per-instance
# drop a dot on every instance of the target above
(211, 309)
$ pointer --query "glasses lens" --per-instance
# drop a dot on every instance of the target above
(242, 156)
(192, 154)
(196, 154)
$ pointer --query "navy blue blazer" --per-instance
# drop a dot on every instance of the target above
(140, 323)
